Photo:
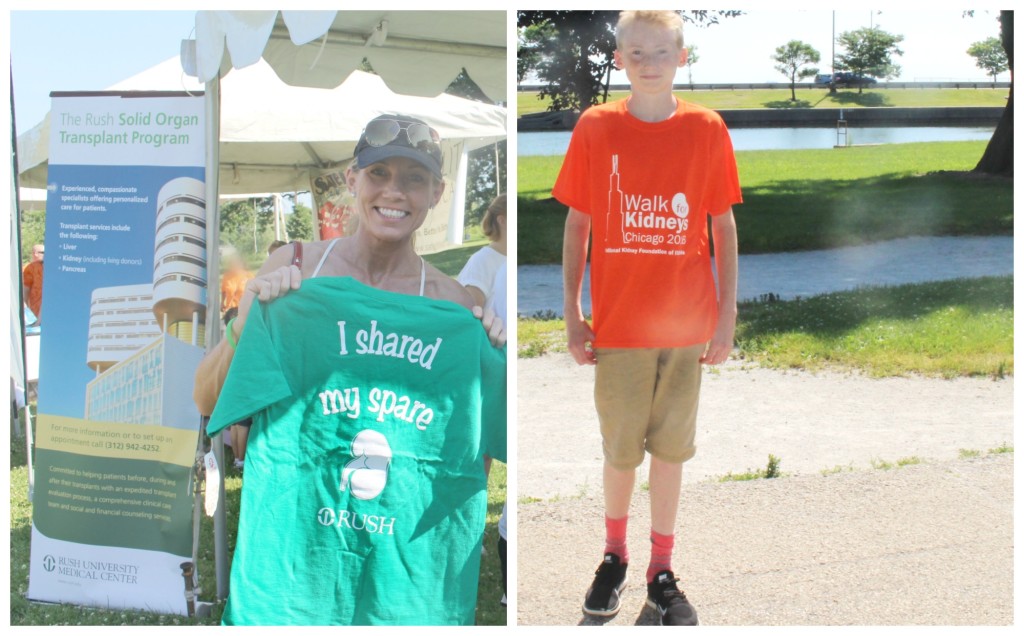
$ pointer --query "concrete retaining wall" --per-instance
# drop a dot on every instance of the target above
(810, 117)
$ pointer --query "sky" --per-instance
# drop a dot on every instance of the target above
(92, 50)
(86, 50)
(934, 47)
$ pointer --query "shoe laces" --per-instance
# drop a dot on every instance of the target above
(670, 591)
(606, 572)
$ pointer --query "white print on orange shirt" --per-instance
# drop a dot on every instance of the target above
(646, 220)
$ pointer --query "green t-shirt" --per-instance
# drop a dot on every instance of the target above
(364, 498)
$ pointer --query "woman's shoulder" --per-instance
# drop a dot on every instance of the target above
(443, 287)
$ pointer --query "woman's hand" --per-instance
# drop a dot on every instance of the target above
(266, 287)
(493, 325)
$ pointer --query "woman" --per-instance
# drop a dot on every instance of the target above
(478, 275)
(372, 390)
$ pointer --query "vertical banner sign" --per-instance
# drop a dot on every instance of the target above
(125, 299)
(333, 206)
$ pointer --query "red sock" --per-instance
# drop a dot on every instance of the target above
(615, 537)
(661, 554)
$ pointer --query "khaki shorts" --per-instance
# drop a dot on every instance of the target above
(647, 400)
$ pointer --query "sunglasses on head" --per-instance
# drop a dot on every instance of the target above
(381, 132)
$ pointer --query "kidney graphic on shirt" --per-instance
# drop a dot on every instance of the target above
(367, 474)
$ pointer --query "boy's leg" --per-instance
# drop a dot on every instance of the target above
(618, 490)
(665, 481)
(671, 442)
(623, 389)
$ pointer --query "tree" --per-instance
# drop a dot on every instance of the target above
(486, 169)
(989, 56)
(998, 157)
(244, 223)
(531, 39)
(793, 60)
(300, 223)
(691, 59)
(485, 178)
(574, 60)
(869, 52)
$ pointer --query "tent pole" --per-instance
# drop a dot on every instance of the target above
(212, 115)
(457, 220)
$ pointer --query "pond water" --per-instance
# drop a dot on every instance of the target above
(555, 142)
(803, 274)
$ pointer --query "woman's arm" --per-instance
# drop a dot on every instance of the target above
(276, 278)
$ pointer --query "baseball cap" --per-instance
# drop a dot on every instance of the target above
(388, 136)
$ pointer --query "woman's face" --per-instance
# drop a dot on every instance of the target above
(393, 196)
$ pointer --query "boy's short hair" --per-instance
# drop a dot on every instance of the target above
(668, 19)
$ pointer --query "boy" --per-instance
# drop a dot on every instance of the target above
(641, 176)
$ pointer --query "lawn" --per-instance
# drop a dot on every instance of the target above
(813, 98)
(818, 199)
(489, 610)
(943, 329)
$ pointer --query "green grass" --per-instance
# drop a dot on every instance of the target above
(771, 471)
(812, 98)
(819, 199)
(881, 464)
(946, 329)
(451, 261)
(489, 610)
(998, 450)
(837, 469)
(949, 329)
(968, 453)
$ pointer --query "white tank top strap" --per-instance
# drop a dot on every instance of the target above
(423, 275)
(323, 258)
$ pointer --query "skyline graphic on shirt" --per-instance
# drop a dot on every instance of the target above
(645, 220)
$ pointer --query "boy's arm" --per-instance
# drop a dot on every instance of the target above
(574, 262)
(723, 228)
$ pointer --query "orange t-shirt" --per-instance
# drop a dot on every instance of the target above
(649, 188)
(232, 286)
(32, 278)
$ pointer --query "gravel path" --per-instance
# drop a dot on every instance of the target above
(924, 544)
(929, 544)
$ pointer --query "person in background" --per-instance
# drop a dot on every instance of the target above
(274, 245)
(499, 304)
(32, 279)
(479, 272)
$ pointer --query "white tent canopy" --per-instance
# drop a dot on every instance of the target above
(416, 52)
(273, 135)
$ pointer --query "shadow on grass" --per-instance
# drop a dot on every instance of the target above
(797, 214)
(806, 214)
(849, 97)
(788, 104)
(832, 315)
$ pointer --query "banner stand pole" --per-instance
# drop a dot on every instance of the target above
(212, 108)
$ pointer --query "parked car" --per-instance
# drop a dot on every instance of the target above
(823, 78)
(852, 79)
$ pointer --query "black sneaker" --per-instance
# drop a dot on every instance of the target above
(609, 581)
(665, 596)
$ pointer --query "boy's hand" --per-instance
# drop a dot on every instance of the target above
(721, 343)
(580, 337)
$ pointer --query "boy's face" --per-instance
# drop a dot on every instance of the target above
(650, 57)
